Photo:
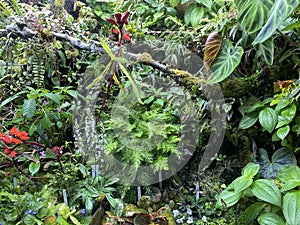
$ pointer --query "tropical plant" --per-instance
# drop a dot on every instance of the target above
(276, 200)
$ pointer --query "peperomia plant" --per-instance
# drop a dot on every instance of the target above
(277, 115)
(275, 201)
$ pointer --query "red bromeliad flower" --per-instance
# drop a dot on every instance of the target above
(12, 153)
(119, 21)
(14, 136)
(22, 135)
(6, 151)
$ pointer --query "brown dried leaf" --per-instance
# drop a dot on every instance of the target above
(213, 45)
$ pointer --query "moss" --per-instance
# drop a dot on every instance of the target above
(186, 77)
(236, 87)
(144, 58)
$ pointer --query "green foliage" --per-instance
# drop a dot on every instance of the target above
(225, 63)
(277, 115)
(269, 168)
(40, 208)
(10, 8)
(90, 189)
(277, 200)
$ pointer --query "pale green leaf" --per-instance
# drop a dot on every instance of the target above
(228, 59)
(270, 219)
(252, 14)
(291, 207)
(278, 13)
(267, 191)
(268, 119)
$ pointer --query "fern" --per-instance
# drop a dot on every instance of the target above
(10, 8)
(38, 70)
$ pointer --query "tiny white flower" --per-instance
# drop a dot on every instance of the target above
(175, 213)
(204, 219)
(189, 211)
(180, 220)
(190, 220)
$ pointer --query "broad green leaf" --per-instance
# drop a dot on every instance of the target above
(29, 108)
(291, 184)
(266, 51)
(228, 198)
(53, 97)
(250, 170)
(268, 119)
(207, 3)
(45, 121)
(251, 104)
(270, 219)
(290, 112)
(252, 211)
(213, 45)
(280, 10)
(267, 191)
(34, 168)
(289, 172)
(242, 183)
(228, 59)
(174, 3)
(291, 207)
(187, 14)
(248, 121)
(29, 219)
(196, 15)
(283, 132)
(253, 13)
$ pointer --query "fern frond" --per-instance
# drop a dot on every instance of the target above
(10, 8)
(38, 71)
(17, 8)
(5, 9)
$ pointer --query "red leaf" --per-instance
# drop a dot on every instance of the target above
(126, 37)
(118, 17)
(125, 17)
(112, 21)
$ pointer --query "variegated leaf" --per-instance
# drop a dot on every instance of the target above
(266, 51)
(227, 60)
(279, 12)
(253, 13)
(213, 45)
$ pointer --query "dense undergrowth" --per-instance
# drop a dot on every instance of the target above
(69, 100)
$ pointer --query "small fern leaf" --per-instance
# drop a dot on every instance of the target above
(29, 108)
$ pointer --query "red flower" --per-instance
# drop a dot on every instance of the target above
(6, 151)
(21, 135)
(1, 135)
(7, 139)
(12, 154)
(119, 21)
(13, 131)
(126, 37)
(16, 141)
